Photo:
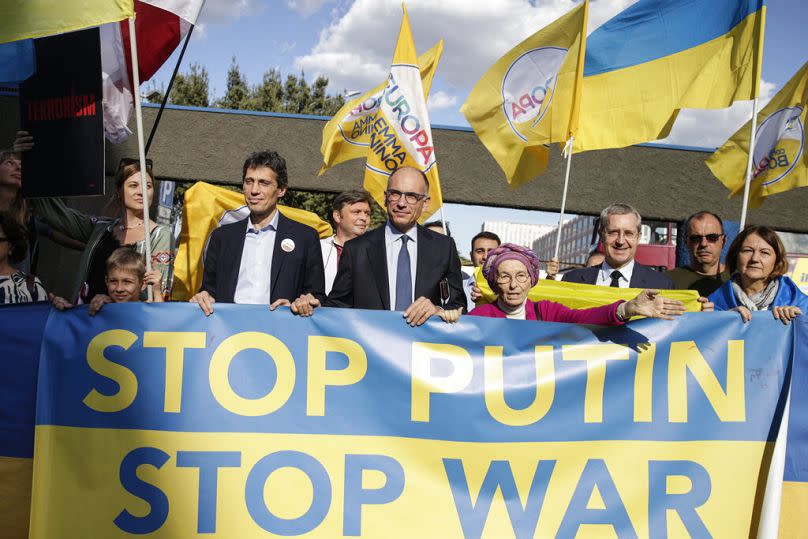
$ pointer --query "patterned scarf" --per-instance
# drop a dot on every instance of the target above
(756, 302)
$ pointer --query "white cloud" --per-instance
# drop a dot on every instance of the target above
(220, 11)
(306, 7)
(441, 100)
(356, 49)
(711, 128)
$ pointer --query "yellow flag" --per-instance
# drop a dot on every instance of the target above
(206, 208)
(530, 97)
(21, 19)
(347, 135)
(400, 134)
(779, 162)
(583, 296)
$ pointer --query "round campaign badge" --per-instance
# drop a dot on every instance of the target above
(528, 86)
(288, 245)
(779, 143)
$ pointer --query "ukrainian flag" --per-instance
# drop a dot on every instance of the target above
(659, 56)
(20, 19)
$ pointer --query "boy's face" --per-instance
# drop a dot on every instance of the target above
(123, 286)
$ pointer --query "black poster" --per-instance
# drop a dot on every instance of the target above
(61, 107)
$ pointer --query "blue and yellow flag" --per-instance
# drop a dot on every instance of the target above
(660, 56)
(347, 135)
(779, 162)
(400, 134)
(21, 19)
(530, 97)
(207, 207)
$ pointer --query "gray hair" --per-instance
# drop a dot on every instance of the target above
(618, 209)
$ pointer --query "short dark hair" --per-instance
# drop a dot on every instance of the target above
(16, 235)
(770, 237)
(699, 215)
(8, 153)
(270, 159)
(439, 224)
(126, 259)
(486, 235)
(346, 198)
(418, 170)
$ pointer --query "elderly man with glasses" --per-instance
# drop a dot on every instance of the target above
(400, 266)
(705, 239)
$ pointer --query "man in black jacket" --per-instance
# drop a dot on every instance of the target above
(620, 234)
(267, 258)
(400, 266)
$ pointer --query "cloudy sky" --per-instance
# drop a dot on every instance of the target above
(351, 42)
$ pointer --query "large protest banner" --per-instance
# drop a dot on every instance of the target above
(152, 419)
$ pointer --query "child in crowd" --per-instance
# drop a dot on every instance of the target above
(16, 286)
(126, 278)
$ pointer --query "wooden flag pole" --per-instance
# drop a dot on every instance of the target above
(568, 154)
(749, 163)
(141, 150)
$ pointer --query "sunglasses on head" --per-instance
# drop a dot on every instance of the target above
(711, 238)
(126, 161)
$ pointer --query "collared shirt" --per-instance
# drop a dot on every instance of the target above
(392, 246)
(255, 270)
(605, 274)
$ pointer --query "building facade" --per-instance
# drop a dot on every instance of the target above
(576, 242)
(523, 234)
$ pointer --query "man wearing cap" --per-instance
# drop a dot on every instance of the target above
(264, 259)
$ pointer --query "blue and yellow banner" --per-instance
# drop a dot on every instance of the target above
(660, 56)
(154, 420)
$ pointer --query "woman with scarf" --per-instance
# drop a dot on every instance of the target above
(512, 270)
(756, 259)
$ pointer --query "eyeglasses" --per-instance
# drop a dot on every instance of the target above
(126, 161)
(506, 278)
(393, 195)
(697, 238)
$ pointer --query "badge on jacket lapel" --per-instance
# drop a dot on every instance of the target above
(288, 245)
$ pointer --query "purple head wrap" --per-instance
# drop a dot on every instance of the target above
(510, 251)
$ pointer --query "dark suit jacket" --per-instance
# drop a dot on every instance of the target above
(294, 273)
(362, 283)
(641, 277)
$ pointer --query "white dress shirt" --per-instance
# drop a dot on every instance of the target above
(255, 270)
(392, 247)
(329, 250)
(605, 274)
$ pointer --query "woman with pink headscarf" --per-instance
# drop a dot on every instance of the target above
(512, 270)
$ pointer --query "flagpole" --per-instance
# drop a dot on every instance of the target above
(568, 154)
(168, 90)
(140, 148)
(749, 163)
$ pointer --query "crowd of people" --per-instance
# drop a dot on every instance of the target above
(401, 266)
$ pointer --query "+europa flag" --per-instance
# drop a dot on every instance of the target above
(779, 162)
(529, 98)
(347, 135)
(660, 56)
(400, 133)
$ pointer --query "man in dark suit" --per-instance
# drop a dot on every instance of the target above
(400, 266)
(267, 258)
(620, 233)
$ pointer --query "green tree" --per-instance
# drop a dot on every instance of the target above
(268, 96)
(237, 95)
(190, 88)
